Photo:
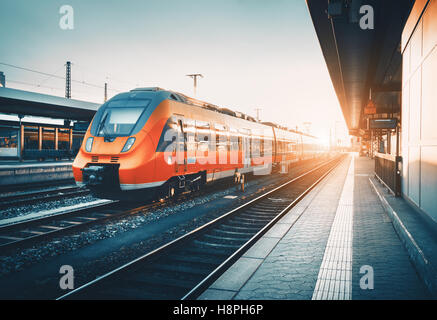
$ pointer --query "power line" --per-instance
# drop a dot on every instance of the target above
(49, 76)
(55, 76)
(30, 70)
(34, 85)
(111, 77)
(47, 87)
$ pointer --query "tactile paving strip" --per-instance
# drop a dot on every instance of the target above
(334, 281)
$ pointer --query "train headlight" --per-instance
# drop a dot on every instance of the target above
(129, 143)
(89, 144)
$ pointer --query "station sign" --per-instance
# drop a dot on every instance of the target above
(383, 123)
(370, 108)
(81, 126)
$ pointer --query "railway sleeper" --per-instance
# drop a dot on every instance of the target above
(225, 240)
(202, 251)
(133, 293)
(258, 216)
(209, 244)
(234, 234)
(200, 259)
(247, 221)
(239, 228)
(153, 277)
(184, 267)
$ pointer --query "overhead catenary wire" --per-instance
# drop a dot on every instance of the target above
(43, 86)
(109, 77)
(56, 76)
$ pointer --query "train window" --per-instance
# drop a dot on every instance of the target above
(190, 131)
(256, 146)
(9, 141)
(202, 135)
(233, 143)
(202, 130)
(233, 139)
(121, 117)
(118, 121)
(168, 136)
(221, 137)
(222, 142)
(292, 147)
(174, 97)
(268, 147)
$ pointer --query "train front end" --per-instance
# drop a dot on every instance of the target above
(117, 157)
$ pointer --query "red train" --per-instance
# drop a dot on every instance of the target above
(164, 142)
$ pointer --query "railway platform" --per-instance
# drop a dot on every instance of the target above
(347, 239)
(15, 173)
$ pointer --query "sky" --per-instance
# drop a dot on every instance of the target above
(252, 53)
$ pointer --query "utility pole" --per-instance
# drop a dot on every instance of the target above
(68, 80)
(257, 113)
(195, 76)
(106, 92)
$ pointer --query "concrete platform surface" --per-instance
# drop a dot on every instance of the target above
(31, 164)
(18, 173)
(337, 243)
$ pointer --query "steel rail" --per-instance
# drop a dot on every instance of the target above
(202, 230)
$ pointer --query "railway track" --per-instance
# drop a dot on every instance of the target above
(16, 235)
(185, 267)
(31, 197)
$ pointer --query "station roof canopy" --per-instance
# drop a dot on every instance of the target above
(359, 60)
(19, 102)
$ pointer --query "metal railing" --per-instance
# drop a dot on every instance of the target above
(388, 171)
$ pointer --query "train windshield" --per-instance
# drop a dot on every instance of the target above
(120, 117)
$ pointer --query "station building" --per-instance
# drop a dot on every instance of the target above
(36, 126)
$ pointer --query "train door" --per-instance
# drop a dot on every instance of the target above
(181, 152)
(247, 146)
(274, 147)
(234, 148)
(190, 134)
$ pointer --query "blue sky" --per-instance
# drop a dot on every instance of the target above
(252, 53)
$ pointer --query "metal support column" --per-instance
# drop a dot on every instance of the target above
(21, 139)
(56, 138)
(40, 133)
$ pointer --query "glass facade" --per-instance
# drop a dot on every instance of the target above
(48, 138)
(30, 137)
(38, 140)
(63, 139)
(9, 141)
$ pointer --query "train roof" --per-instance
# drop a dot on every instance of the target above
(206, 105)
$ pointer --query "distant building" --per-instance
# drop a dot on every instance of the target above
(2, 79)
